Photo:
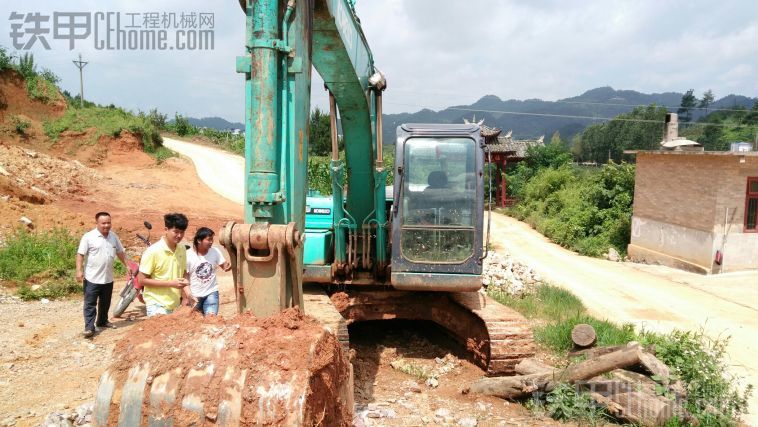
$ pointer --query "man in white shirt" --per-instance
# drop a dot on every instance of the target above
(97, 251)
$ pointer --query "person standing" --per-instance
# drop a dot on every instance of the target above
(202, 261)
(98, 249)
(163, 266)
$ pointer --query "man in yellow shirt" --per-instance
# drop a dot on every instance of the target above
(163, 268)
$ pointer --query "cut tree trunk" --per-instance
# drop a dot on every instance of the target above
(520, 385)
(583, 335)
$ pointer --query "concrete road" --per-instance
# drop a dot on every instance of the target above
(651, 297)
(222, 171)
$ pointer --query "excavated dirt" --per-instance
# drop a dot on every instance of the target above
(290, 344)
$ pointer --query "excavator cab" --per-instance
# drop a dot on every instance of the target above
(437, 208)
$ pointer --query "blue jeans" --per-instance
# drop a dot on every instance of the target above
(208, 304)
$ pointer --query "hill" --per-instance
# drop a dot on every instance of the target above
(215, 123)
(534, 117)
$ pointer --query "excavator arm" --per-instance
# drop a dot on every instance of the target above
(283, 41)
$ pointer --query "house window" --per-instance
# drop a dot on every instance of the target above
(751, 204)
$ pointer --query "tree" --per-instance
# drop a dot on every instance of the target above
(707, 100)
(182, 126)
(689, 101)
(556, 139)
(320, 143)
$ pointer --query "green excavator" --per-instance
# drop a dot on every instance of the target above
(367, 252)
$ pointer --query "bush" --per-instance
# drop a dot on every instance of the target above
(588, 211)
(20, 124)
(6, 61)
(182, 126)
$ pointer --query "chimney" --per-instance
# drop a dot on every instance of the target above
(672, 127)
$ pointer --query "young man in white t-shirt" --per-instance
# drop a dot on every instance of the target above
(202, 261)
(97, 250)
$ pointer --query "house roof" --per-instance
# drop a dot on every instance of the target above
(515, 147)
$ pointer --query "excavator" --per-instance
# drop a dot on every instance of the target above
(367, 252)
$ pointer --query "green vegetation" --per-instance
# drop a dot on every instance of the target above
(20, 124)
(45, 258)
(738, 124)
(564, 403)
(641, 129)
(699, 361)
(6, 61)
(587, 210)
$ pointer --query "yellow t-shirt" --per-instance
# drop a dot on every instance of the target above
(160, 263)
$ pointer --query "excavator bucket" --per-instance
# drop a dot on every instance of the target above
(182, 370)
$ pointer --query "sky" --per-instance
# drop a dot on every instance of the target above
(434, 53)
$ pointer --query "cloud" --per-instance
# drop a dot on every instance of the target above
(444, 52)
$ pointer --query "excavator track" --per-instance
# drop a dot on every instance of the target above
(497, 337)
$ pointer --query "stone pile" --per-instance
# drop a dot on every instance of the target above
(502, 272)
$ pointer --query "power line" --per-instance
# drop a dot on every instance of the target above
(567, 116)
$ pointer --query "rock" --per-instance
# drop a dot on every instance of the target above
(3, 171)
(613, 255)
(442, 413)
(412, 386)
(432, 382)
(27, 222)
(32, 154)
(10, 421)
(467, 422)
(36, 288)
(44, 301)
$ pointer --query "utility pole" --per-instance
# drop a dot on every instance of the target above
(80, 64)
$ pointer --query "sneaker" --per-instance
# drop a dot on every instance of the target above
(88, 333)
(108, 325)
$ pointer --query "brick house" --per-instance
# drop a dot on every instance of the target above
(696, 210)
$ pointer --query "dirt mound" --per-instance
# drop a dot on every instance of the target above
(39, 178)
(15, 100)
(281, 370)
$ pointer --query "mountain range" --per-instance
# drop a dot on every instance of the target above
(531, 118)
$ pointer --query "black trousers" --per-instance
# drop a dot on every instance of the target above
(97, 301)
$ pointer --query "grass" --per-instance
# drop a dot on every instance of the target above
(46, 254)
(45, 258)
(556, 311)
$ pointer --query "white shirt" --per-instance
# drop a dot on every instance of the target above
(99, 252)
(202, 270)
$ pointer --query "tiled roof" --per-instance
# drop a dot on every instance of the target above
(516, 148)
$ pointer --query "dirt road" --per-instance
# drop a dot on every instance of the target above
(652, 297)
(220, 171)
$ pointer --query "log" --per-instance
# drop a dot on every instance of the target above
(599, 351)
(644, 409)
(654, 366)
(520, 385)
(533, 366)
(583, 335)
(632, 397)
